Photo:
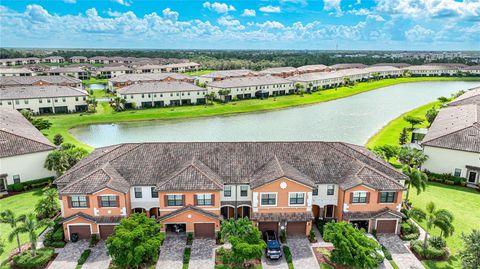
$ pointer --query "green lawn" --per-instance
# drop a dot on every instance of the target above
(390, 134)
(100, 94)
(464, 203)
(62, 123)
(95, 81)
(198, 73)
(20, 204)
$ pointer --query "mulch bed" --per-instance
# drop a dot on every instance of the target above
(322, 258)
(248, 264)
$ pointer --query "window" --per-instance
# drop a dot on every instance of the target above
(243, 191)
(40, 101)
(64, 100)
(296, 198)
(16, 179)
(175, 200)
(138, 192)
(154, 193)
(315, 191)
(268, 199)
(204, 199)
(78, 201)
(387, 197)
(26, 102)
(359, 197)
(227, 191)
(76, 98)
(55, 100)
(108, 201)
(49, 101)
(17, 102)
(458, 172)
(330, 189)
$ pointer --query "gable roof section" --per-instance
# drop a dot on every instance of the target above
(190, 208)
(18, 136)
(275, 169)
(456, 127)
(192, 176)
(371, 178)
(472, 96)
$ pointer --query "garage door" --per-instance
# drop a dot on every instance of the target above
(296, 228)
(106, 230)
(386, 226)
(265, 226)
(83, 231)
(204, 230)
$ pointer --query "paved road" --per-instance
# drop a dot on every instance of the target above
(400, 252)
(203, 254)
(302, 253)
(98, 258)
(68, 256)
(171, 253)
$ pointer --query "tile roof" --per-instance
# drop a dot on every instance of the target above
(248, 82)
(30, 80)
(149, 77)
(279, 70)
(235, 163)
(65, 70)
(14, 70)
(30, 92)
(161, 86)
(190, 208)
(383, 213)
(284, 216)
(113, 68)
(312, 67)
(18, 136)
(473, 67)
(347, 66)
(430, 67)
(456, 127)
(98, 219)
(229, 73)
(472, 96)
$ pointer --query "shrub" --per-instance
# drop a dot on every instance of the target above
(186, 255)
(430, 252)
(16, 187)
(26, 260)
(189, 238)
(313, 237)
(21, 186)
(450, 182)
(405, 212)
(287, 253)
(410, 237)
(83, 258)
(58, 235)
(93, 240)
(386, 253)
(437, 242)
(320, 225)
(283, 236)
(57, 244)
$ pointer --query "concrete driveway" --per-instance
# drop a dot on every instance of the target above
(302, 253)
(67, 257)
(171, 252)
(202, 255)
(274, 264)
(402, 256)
(98, 258)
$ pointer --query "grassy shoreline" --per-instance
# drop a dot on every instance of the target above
(62, 123)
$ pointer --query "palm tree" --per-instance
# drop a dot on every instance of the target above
(347, 81)
(224, 93)
(300, 89)
(236, 228)
(118, 103)
(412, 157)
(29, 226)
(9, 218)
(211, 97)
(439, 218)
(92, 101)
(310, 85)
(416, 178)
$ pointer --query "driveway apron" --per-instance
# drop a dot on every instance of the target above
(98, 258)
(202, 255)
(67, 257)
(402, 256)
(274, 264)
(302, 253)
(171, 253)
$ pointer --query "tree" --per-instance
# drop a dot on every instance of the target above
(431, 115)
(29, 226)
(47, 207)
(439, 218)
(236, 228)
(245, 239)
(8, 217)
(403, 137)
(352, 247)
(92, 101)
(443, 99)
(470, 254)
(27, 114)
(223, 93)
(310, 85)
(347, 81)
(135, 241)
(387, 151)
(416, 178)
(411, 157)
(413, 120)
(58, 139)
(41, 124)
(210, 97)
(118, 103)
(2, 246)
(62, 159)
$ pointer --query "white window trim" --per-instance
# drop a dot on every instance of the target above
(86, 200)
(231, 187)
(276, 199)
(211, 195)
(104, 195)
(295, 192)
(332, 185)
(240, 189)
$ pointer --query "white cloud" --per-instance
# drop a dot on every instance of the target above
(271, 25)
(219, 7)
(418, 33)
(70, 1)
(230, 23)
(112, 13)
(270, 9)
(123, 2)
(421, 9)
(170, 14)
(249, 13)
(297, 2)
(359, 12)
(375, 17)
(332, 5)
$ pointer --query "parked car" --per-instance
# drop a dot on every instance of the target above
(273, 250)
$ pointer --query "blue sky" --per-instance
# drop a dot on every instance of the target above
(242, 24)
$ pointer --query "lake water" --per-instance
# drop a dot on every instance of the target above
(353, 119)
(96, 86)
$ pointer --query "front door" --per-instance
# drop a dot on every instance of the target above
(472, 177)
(3, 186)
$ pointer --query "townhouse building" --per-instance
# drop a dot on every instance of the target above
(78, 59)
(282, 72)
(40, 81)
(129, 79)
(99, 60)
(53, 60)
(225, 74)
(432, 70)
(471, 96)
(113, 71)
(150, 68)
(16, 72)
(160, 94)
(337, 67)
(24, 150)
(19, 61)
(250, 87)
(313, 68)
(44, 99)
(472, 70)
(278, 185)
(75, 72)
(182, 67)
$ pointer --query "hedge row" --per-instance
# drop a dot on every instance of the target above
(31, 184)
(26, 260)
(446, 178)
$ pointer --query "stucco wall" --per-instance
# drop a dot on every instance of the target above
(34, 103)
(373, 204)
(94, 209)
(28, 166)
(442, 160)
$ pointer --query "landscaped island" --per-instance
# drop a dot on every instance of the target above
(62, 123)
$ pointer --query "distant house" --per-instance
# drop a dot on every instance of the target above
(280, 71)
(160, 94)
(113, 71)
(78, 59)
(432, 70)
(40, 81)
(452, 143)
(16, 72)
(472, 70)
(129, 79)
(337, 67)
(313, 68)
(44, 99)
(23, 150)
(75, 72)
(54, 59)
(225, 74)
(472, 96)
